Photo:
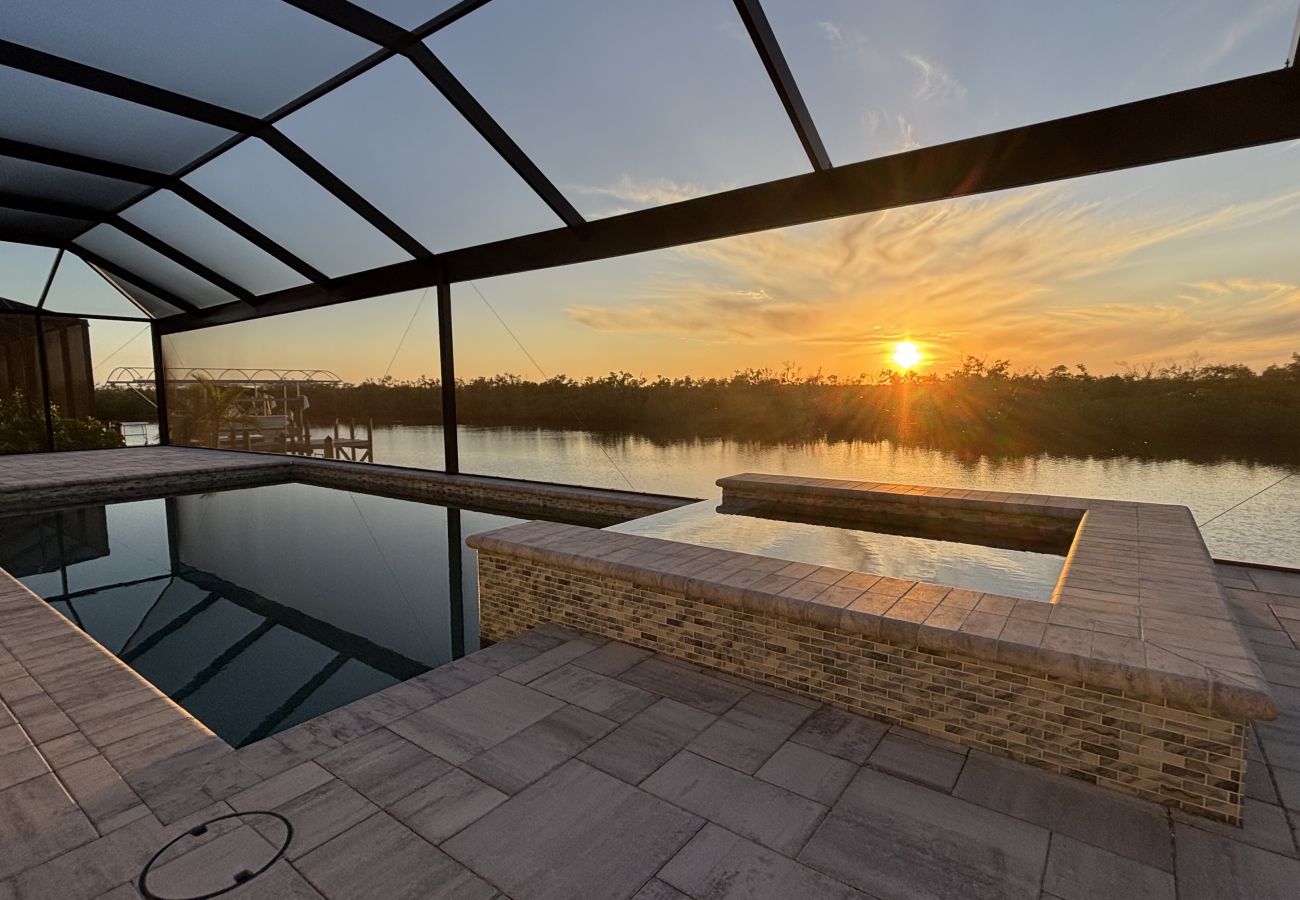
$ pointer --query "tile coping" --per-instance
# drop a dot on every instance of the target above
(1137, 608)
(147, 470)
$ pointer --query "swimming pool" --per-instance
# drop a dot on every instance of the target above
(260, 608)
(918, 556)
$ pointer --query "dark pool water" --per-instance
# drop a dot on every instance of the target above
(261, 608)
(997, 570)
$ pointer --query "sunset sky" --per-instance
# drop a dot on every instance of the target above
(1151, 265)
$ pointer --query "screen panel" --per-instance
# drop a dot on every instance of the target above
(249, 55)
(393, 137)
(881, 78)
(1130, 335)
(24, 269)
(65, 117)
(39, 226)
(155, 306)
(363, 375)
(79, 289)
(410, 14)
(264, 189)
(134, 256)
(626, 105)
(203, 238)
(33, 179)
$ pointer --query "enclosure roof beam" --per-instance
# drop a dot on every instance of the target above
(365, 24)
(76, 162)
(69, 72)
(769, 51)
(130, 229)
(1245, 112)
(113, 268)
(255, 237)
(88, 164)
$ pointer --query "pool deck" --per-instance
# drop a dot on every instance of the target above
(557, 765)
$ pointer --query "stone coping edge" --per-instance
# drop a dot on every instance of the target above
(560, 546)
(259, 469)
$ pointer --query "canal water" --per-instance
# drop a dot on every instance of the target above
(1265, 529)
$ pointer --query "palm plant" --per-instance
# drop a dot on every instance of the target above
(204, 408)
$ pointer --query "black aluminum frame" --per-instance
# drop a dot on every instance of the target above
(1237, 114)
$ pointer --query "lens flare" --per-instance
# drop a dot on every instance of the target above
(906, 355)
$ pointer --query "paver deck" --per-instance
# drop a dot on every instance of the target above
(558, 765)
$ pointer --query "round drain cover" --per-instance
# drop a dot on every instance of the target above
(215, 857)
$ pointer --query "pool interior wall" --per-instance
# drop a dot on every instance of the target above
(259, 608)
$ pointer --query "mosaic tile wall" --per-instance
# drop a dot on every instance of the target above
(1179, 758)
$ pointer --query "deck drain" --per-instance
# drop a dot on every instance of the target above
(233, 858)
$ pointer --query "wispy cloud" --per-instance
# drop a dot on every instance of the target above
(936, 83)
(832, 31)
(1028, 275)
(653, 192)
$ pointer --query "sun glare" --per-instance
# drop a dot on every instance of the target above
(906, 355)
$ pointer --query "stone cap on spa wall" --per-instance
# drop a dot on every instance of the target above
(1137, 609)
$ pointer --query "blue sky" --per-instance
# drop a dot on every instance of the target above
(626, 104)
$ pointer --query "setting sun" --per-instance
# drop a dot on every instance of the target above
(906, 355)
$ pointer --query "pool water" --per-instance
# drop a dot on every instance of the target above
(1027, 574)
(260, 608)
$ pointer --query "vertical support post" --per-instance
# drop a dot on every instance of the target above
(160, 385)
(43, 363)
(42, 360)
(450, 446)
(456, 582)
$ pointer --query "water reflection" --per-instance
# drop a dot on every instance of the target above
(1266, 529)
(992, 569)
(258, 609)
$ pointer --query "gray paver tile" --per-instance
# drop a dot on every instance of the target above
(318, 815)
(684, 685)
(101, 865)
(648, 740)
(841, 734)
(549, 661)
(808, 772)
(655, 889)
(383, 766)
(612, 658)
(719, 865)
(520, 760)
(1079, 871)
(1103, 818)
(455, 676)
(100, 792)
(595, 692)
(925, 844)
(920, 761)
(1211, 867)
(447, 805)
(1288, 788)
(609, 834)
(1259, 783)
(750, 732)
(756, 809)
(406, 867)
(1263, 825)
(21, 765)
(475, 719)
(37, 822)
(280, 789)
